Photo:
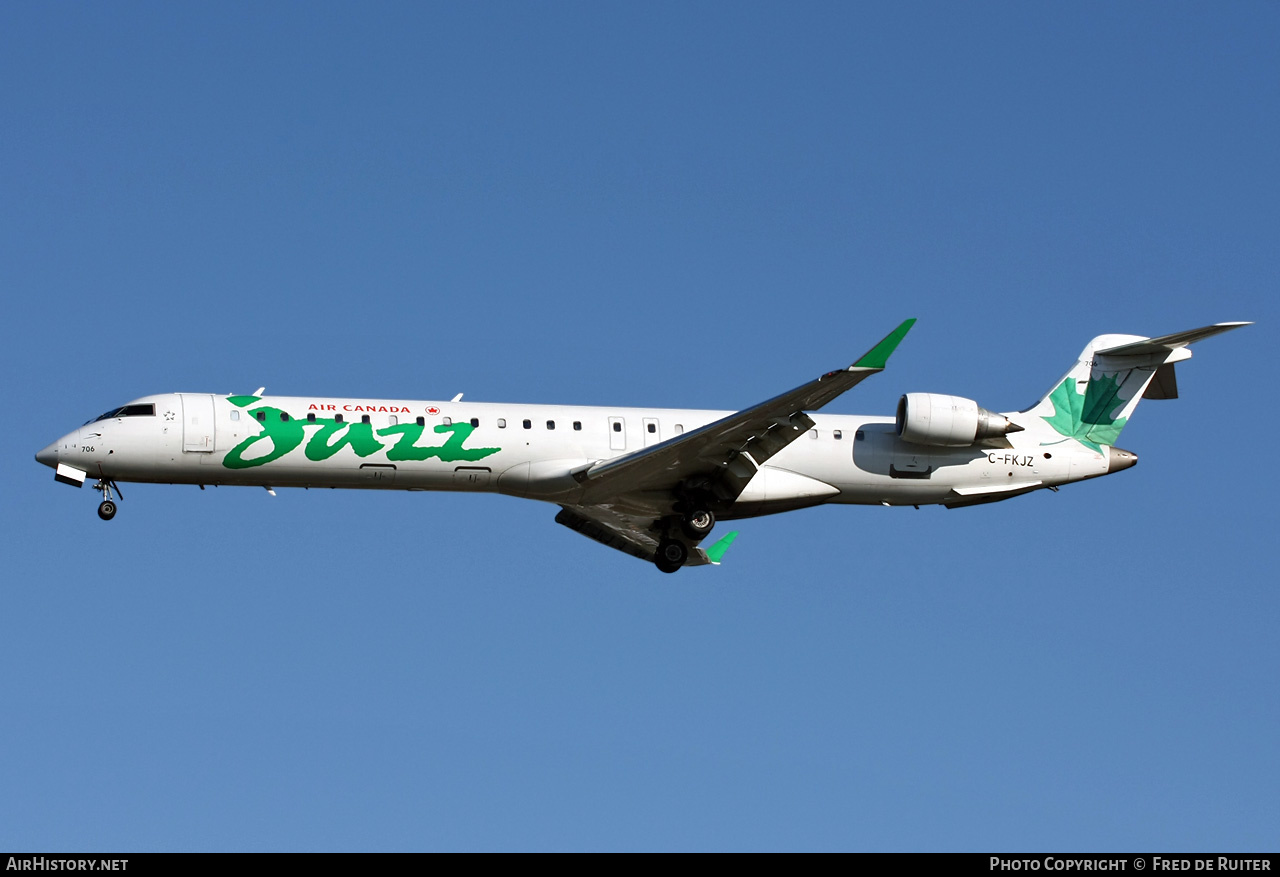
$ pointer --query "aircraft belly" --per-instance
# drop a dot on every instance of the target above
(749, 509)
(772, 485)
(544, 479)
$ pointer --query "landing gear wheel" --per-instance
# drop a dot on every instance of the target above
(698, 523)
(107, 509)
(671, 555)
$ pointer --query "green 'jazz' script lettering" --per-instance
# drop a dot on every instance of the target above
(279, 436)
(333, 437)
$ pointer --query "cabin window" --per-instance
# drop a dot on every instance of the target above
(422, 421)
(528, 424)
(679, 429)
(311, 417)
(364, 418)
(262, 417)
(475, 422)
(617, 426)
(859, 436)
(653, 427)
(393, 420)
(551, 424)
(284, 418)
(337, 418)
(447, 421)
(502, 423)
(235, 415)
(837, 434)
(577, 425)
(813, 433)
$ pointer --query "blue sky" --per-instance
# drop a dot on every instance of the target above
(694, 205)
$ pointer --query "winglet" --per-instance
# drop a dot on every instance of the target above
(878, 356)
(715, 552)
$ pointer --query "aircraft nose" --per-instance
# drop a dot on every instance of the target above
(48, 456)
(1118, 459)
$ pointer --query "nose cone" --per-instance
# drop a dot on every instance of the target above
(1118, 459)
(48, 456)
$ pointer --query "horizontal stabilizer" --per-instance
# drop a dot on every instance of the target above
(1165, 343)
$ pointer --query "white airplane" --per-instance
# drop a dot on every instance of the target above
(651, 482)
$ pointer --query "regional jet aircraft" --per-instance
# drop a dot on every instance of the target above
(651, 482)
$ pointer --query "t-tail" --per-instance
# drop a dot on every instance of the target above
(1092, 403)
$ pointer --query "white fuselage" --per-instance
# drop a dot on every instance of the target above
(532, 451)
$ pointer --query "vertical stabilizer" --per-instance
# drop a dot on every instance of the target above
(1094, 400)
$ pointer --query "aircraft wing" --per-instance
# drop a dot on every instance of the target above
(630, 534)
(722, 457)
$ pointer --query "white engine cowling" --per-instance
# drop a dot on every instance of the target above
(949, 421)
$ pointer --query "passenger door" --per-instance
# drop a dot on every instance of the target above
(198, 426)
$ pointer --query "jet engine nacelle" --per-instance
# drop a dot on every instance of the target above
(949, 421)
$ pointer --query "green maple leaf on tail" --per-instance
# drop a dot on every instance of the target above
(1087, 417)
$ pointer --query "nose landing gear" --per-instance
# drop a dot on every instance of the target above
(107, 508)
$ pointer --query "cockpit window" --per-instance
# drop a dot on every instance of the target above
(147, 410)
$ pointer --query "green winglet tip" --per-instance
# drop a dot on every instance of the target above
(715, 552)
(878, 356)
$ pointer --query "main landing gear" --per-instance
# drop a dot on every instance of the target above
(698, 523)
(672, 553)
(107, 508)
(694, 525)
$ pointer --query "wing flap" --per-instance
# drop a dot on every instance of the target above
(625, 539)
